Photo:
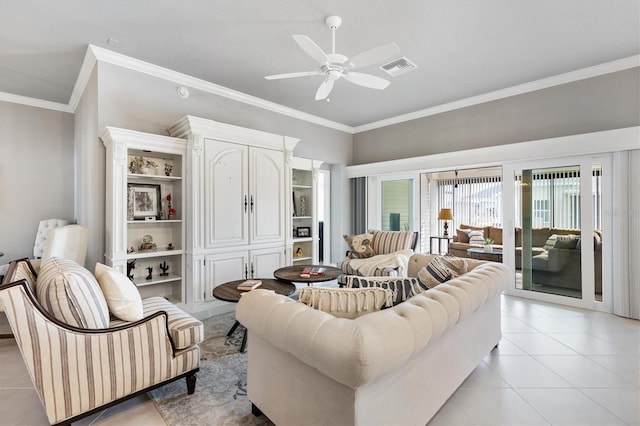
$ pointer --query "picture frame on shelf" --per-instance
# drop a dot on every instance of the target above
(303, 231)
(145, 201)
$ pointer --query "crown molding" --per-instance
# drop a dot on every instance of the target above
(556, 80)
(95, 54)
(133, 64)
(34, 102)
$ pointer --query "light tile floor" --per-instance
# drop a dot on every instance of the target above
(555, 365)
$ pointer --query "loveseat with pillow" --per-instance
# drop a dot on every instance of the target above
(80, 357)
(378, 253)
(396, 366)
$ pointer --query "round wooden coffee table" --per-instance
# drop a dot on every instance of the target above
(229, 293)
(292, 274)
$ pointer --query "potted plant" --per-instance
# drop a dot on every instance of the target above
(488, 244)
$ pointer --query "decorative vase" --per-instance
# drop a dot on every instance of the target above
(488, 247)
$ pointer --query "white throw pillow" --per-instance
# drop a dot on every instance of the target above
(123, 297)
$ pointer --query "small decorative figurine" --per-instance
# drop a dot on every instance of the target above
(164, 268)
(299, 252)
(171, 211)
(168, 168)
(150, 269)
(147, 243)
(170, 246)
(132, 167)
(131, 265)
(131, 250)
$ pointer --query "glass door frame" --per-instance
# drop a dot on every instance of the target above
(374, 198)
(588, 300)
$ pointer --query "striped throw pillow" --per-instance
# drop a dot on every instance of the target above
(476, 237)
(71, 294)
(401, 288)
(434, 273)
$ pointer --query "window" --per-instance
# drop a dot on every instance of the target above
(475, 200)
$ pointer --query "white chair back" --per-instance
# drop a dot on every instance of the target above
(68, 242)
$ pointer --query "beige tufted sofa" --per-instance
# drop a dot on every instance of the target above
(396, 366)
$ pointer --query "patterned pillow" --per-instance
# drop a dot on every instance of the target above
(360, 245)
(434, 273)
(345, 302)
(476, 237)
(401, 288)
(457, 265)
(71, 294)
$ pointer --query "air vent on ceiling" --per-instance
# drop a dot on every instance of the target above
(398, 66)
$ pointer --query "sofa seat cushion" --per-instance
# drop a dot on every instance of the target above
(71, 294)
(122, 295)
(184, 329)
(347, 303)
(402, 288)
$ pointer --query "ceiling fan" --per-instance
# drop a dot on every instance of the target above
(335, 66)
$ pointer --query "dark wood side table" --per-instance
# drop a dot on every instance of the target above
(292, 274)
(229, 293)
(440, 239)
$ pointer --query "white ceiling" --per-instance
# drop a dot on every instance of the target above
(463, 48)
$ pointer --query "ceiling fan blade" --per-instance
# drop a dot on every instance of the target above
(292, 75)
(311, 48)
(366, 80)
(324, 89)
(374, 56)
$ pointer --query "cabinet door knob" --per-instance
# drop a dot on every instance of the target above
(245, 203)
(252, 204)
(246, 272)
(252, 271)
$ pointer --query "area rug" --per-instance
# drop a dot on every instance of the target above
(221, 388)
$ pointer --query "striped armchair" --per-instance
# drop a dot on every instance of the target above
(391, 252)
(77, 371)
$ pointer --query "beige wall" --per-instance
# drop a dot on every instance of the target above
(36, 174)
(601, 103)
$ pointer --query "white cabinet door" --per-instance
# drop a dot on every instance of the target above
(222, 268)
(226, 197)
(266, 189)
(265, 261)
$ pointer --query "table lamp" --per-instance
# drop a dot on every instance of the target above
(445, 214)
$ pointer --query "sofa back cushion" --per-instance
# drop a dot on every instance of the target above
(71, 294)
(385, 242)
(345, 302)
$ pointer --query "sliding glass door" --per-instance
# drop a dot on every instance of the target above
(556, 226)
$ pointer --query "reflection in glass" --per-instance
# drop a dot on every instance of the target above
(397, 205)
(548, 237)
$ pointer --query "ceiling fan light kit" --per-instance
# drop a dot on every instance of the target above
(334, 66)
